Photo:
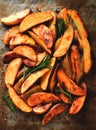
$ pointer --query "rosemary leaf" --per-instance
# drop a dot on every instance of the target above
(9, 103)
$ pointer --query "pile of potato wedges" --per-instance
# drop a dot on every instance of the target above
(59, 86)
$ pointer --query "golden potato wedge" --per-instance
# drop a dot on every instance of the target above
(53, 79)
(45, 77)
(34, 89)
(77, 64)
(55, 110)
(17, 86)
(15, 18)
(12, 71)
(20, 73)
(25, 51)
(87, 57)
(9, 56)
(39, 41)
(66, 65)
(52, 25)
(21, 39)
(40, 57)
(40, 109)
(78, 102)
(78, 23)
(62, 96)
(34, 19)
(65, 42)
(18, 101)
(57, 43)
(43, 32)
(32, 79)
(42, 97)
(63, 14)
(71, 86)
(10, 33)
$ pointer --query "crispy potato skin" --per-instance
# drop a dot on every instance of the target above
(34, 19)
(25, 51)
(55, 110)
(15, 18)
(12, 71)
(78, 102)
(18, 101)
(41, 97)
(69, 84)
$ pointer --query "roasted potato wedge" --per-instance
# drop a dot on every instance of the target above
(78, 23)
(40, 109)
(45, 78)
(65, 42)
(69, 84)
(34, 89)
(15, 18)
(32, 79)
(66, 65)
(9, 56)
(43, 32)
(39, 41)
(28, 62)
(25, 51)
(12, 71)
(34, 19)
(87, 57)
(41, 97)
(10, 33)
(77, 64)
(21, 39)
(78, 102)
(55, 110)
(18, 101)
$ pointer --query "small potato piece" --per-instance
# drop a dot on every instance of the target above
(9, 56)
(39, 41)
(55, 110)
(28, 62)
(12, 71)
(69, 84)
(18, 101)
(41, 97)
(10, 33)
(40, 109)
(65, 42)
(45, 34)
(32, 79)
(15, 18)
(78, 23)
(45, 78)
(34, 19)
(25, 51)
(21, 39)
(78, 102)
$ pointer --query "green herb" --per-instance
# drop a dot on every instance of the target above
(9, 103)
(60, 27)
(44, 64)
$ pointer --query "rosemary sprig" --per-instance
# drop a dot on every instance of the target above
(9, 103)
(60, 27)
(44, 64)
